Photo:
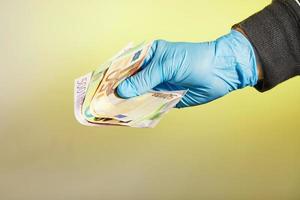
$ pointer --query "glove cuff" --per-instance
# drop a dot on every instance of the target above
(245, 59)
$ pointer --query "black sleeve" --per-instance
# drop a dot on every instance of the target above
(275, 34)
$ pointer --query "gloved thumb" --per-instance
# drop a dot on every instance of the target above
(140, 83)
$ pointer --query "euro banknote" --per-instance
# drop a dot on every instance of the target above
(97, 104)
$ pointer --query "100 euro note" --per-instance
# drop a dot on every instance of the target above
(100, 104)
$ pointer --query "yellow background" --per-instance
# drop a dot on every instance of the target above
(243, 146)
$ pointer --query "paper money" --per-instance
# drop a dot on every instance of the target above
(96, 102)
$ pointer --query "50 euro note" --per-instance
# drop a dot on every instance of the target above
(97, 103)
(149, 120)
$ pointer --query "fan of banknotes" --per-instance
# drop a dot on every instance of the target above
(97, 104)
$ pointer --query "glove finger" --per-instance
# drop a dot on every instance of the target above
(193, 97)
(141, 82)
(146, 79)
(181, 104)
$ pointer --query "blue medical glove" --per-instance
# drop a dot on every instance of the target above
(208, 70)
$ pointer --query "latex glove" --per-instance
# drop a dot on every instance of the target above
(208, 70)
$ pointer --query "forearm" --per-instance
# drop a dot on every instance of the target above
(275, 34)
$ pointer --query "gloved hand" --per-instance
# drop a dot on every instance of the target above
(208, 70)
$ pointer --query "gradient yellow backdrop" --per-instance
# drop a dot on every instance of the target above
(244, 146)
